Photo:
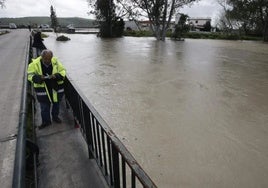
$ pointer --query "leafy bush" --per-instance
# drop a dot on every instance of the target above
(138, 33)
(232, 37)
(194, 35)
(208, 35)
(62, 38)
(251, 38)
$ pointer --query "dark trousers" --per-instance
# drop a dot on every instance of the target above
(45, 111)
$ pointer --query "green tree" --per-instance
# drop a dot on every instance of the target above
(207, 26)
(253, 16)
(181, 27)
(160, 13)
(54, 20)
(111, 24)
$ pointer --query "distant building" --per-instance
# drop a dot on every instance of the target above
(198, 24)
(44, 26)
(142, 25)
(70, 28)
(131, 25)
(145, 25)
(12, 26)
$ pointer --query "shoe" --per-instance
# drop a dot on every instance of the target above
(43, 125)
(57, 119)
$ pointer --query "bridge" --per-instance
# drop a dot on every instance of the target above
(81, 152)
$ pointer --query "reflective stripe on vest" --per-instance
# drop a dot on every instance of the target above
(41, 93)
(60, 90)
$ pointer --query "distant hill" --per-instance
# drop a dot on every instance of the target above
(35, 21)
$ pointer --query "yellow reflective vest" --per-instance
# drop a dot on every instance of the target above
(41, 89)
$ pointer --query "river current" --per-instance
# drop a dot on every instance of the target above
(193, 113)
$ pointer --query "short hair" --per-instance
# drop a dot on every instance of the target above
(45, 52)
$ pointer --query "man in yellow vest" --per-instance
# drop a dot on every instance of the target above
(47, 74)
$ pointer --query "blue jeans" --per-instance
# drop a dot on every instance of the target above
(45, 111)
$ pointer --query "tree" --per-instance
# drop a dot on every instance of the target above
(54, 20)
(207, 26)
(2, 3)
(111, 24)
(253, 16)
(225, 19)
(181, 27)
(160, 13)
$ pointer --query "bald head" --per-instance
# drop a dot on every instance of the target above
(46, 52)
(46, 56)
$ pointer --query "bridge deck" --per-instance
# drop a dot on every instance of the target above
(12, 62)
(63, 156)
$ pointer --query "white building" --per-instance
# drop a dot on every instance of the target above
(198, 23)
(12, 26)
(131, 25)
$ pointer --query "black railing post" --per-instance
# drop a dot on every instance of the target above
(99, 143)
(110, 160)
(116, 167)
(104, 152)
(133, 180)
(124, 173)
(88, 132)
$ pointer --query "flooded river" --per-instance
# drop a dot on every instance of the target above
(194, 113)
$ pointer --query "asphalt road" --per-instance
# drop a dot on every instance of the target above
(12, 63)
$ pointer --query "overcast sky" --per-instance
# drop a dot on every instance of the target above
(79, 8)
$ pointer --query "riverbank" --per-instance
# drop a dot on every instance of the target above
(219, 36)
(197, 35)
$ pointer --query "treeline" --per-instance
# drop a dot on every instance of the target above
(159, 13)
(245, 16)
(35, 21)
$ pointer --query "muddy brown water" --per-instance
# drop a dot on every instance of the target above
(193, 114)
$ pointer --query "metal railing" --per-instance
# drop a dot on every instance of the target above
(33, 110)
(20, 161)
(118, 166)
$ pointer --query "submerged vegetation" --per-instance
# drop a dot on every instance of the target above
(219, 35)
(62, 38)
(138, 33)
(196, 35)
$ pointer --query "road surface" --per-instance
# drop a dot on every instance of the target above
(12, 63)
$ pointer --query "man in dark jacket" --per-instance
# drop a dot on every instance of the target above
(38, 43)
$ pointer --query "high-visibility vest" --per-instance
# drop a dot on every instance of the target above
(41, 90)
